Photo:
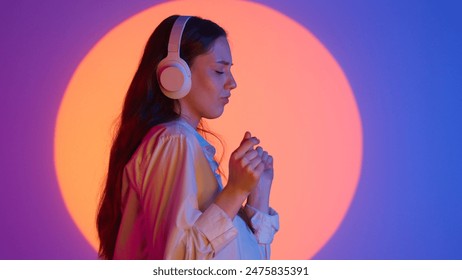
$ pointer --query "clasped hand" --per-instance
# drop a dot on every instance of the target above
(251, 170)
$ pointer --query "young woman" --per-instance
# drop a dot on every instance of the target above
(163, 197)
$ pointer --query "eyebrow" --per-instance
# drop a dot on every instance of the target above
(227, 63)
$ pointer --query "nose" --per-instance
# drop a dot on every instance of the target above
(231, 83)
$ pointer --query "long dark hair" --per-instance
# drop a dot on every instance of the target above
(145, 106)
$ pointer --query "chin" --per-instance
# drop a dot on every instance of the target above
(214, 115)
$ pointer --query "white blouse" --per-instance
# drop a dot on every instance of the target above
(169, 186)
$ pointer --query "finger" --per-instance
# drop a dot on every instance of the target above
(264, 156)
(245, 146)
(254, 163)
(251, 154)
(269, 162)
(247, 135)
(260, 151)
(259, 169)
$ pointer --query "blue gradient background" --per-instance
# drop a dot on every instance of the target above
(403, 60)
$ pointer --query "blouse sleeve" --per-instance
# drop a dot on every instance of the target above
(265, 226)
(169, 199)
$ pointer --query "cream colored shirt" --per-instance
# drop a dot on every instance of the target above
(169, 186)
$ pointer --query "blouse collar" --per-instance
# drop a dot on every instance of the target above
(207, 148)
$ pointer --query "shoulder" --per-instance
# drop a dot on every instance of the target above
(172, 134)
(176, 129)
(165, 144)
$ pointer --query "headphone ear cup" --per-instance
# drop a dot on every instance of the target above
(174, 77)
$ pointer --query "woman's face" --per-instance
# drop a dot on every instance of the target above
(211, 84)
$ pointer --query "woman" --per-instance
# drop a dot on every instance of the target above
(163, 197)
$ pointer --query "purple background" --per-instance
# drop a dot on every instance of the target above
(403, 60)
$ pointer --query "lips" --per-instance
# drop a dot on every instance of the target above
(226, 98)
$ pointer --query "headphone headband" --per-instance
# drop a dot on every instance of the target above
(173, 73)
(174, 41)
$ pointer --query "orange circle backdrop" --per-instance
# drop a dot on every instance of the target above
(291, 94)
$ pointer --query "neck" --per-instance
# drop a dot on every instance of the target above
(186, 115)
(194, 122)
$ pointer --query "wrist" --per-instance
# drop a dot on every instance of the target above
(231, 199)
(236, 191)
(259, 202)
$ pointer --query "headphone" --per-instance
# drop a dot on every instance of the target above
(173, 73)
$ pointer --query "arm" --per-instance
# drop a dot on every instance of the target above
(265, 225)
(264, 219)
(173, 174)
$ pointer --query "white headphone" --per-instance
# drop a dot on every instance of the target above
(173, 73)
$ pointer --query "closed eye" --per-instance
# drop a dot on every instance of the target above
(219, 72)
